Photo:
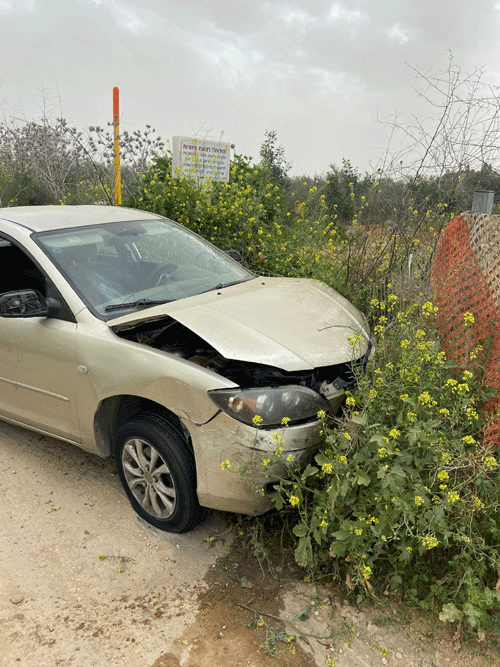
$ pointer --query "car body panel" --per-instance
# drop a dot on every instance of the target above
(157, 376)
(47, 218)
(38, 377)
(242, 320)
(241, 487)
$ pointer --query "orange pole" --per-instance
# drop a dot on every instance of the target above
(117, 180)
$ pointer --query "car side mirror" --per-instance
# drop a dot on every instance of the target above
(234, 254)
(26, 303)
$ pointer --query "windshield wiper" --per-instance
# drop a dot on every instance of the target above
(221, 285)
(136, 304)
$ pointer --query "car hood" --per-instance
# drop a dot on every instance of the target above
(292, 324)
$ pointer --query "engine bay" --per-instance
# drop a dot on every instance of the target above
(169, 335)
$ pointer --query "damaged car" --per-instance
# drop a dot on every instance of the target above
(129, 336)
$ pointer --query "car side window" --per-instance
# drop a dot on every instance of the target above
(21, 272)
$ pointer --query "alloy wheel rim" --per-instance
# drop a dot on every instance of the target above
(149, 478)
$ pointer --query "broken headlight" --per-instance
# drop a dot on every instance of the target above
(271, 405)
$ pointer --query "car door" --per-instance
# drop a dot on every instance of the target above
(38, 369)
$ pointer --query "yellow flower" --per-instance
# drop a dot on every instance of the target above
(257, 420)
(429, 541)
(419, 500)
(225, 465)
(429, 309)
(294, 501)
(472, 414)
(477, 503)
(453, 496)
(490, 463)
(468, 318)
(426, 399)
(443, 475)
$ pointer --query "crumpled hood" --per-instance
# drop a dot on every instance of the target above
(292, 324)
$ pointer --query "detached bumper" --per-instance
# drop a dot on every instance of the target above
(242, 487)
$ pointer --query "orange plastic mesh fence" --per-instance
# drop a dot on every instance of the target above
(465, 278)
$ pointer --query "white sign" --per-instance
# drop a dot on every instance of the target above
(202, 160)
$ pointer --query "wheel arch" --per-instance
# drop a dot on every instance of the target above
(113, 412)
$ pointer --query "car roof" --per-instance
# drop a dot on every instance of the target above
(46, 218)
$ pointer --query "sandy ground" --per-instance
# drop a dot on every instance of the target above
(84, 583)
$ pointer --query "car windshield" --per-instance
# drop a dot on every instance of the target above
(121, 267)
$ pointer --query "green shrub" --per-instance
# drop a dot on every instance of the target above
(403, 496)
(230, 215)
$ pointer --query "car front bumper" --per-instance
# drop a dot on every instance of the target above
(244, 487)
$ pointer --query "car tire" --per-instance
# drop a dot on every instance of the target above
(157, 470)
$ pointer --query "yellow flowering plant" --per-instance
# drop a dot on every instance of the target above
(415, 500)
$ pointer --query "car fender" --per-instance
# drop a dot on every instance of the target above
(111, 366)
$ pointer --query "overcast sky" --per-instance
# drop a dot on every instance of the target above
(319, 72)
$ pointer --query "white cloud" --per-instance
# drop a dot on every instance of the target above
(292, 15)
(339, 12)
(19, 6)
(235, 63)
(399, 34)
(124, 16)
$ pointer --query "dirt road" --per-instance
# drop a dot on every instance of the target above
(84, 584)
(80, 581)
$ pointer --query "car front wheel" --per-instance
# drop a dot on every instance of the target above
(158, 473)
